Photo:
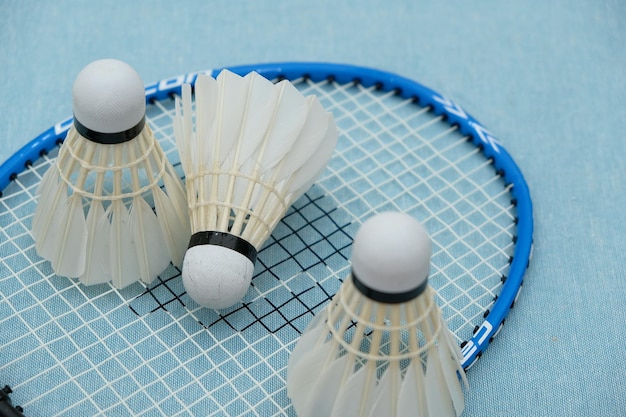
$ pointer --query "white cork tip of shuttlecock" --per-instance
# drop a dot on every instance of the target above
(109, 97)
(216, 277)
(391, 257)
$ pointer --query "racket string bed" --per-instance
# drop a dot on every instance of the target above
(480, 201)
(148, 349)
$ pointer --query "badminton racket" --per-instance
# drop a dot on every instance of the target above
(148, 350)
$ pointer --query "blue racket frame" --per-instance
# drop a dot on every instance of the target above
(385, 81)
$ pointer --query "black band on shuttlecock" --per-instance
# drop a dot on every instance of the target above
(225, 240)
(110, 138)
(388, 297)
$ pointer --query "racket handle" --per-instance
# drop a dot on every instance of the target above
(7, 409)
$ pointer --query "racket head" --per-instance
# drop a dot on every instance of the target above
(299, 268)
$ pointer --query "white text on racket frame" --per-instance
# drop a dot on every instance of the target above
(485, 136)
(482, 334)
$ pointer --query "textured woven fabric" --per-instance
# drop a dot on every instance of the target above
(548, 78)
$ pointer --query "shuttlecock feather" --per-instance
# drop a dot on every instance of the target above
(381, 347)
(255, 149)
(94, 219)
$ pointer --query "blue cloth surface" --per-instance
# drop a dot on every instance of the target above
(548, 78)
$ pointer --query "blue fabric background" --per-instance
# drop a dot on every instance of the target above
(548, 78)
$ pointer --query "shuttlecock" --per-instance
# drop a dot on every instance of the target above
(94, 219)
(381, 347)
(256, 148)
